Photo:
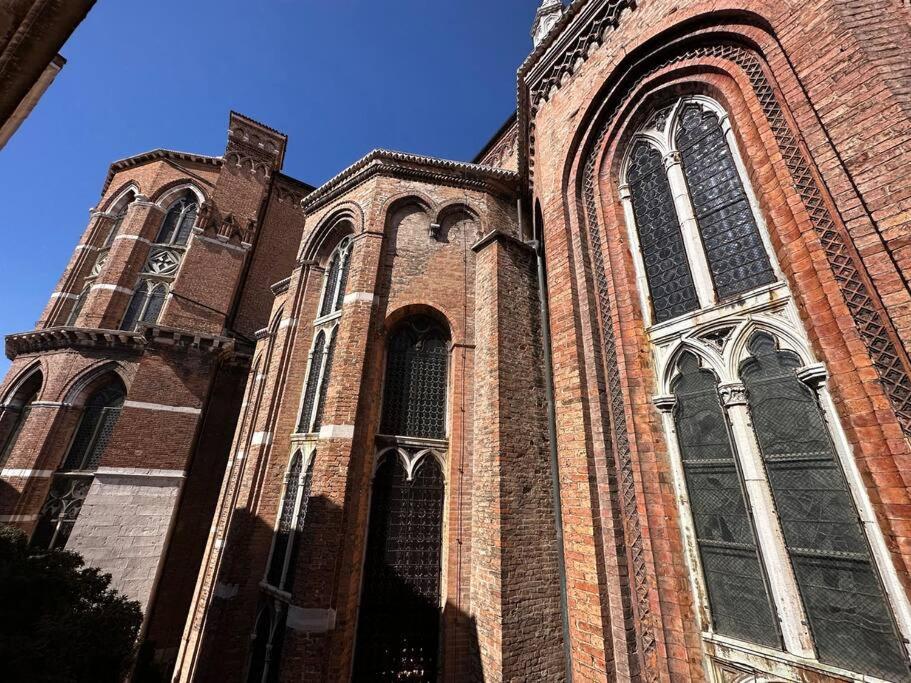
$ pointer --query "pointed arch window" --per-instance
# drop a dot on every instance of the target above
(146, 304)
(291, 521)
(414, 398)
(266, 642)
(735, 581)
(311, 389)
(17, 413)
(336, 280)
(78, 306)
(842, 594)
(71, 483)
(116, 220)
(178, 222)
(697, 230)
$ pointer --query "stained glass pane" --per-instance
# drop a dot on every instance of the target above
(845, 602)
(414, 401)
(667, 270)
(324, 385)
(733, 247)
(286, 518)
(399, 624)
(310, 390)
(735, 581)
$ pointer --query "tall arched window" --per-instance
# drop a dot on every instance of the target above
(772, 514)
(116, 220)
(399, 624)
(414, 400)
(336, 280)
(178, 221)
(266, 642)
(146, 304)
(17, 412)
(326, 329)
(77, 306)
(292, 517)
(842, 594)
(699, 241)
(734, 577)
(72, 481)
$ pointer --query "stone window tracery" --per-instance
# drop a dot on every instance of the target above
(70, 484)
(291, 521)
(779, 536)
(145, 305)
(17, 412)
(178, 221)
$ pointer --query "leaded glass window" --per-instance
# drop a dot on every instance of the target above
(670, 281)
(733, 246)
(842, 594)
(77, 307)
(266, 642)
(282, 538)
(414, 400)
(145, 305)
(399, 623)
(117, 221)
(178, 222)
(95, 428)
(336, 280)
(60, 510)
(311, 389)
(324, 385)
(735, 581)
(697, 232)
(303, 506)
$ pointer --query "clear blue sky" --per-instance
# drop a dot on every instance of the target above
(340, 77)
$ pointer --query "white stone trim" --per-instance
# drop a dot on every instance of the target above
(261, 439)
(305, 620)
(135, 238)
(25, 474)
(141, 472)
(64, 295)
(158, 406)
(113, 288)
(49, 404)
(287, 322)
(227, 245)
(18, 518)
(87, 247)
(354, 297)
(336, 432)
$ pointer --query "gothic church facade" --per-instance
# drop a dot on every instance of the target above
(628, 397)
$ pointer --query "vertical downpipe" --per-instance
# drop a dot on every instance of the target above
(538, 245)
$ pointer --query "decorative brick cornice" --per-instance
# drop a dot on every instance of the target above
(413, 167)
(281, 286)
(156, 155)
(55, 338)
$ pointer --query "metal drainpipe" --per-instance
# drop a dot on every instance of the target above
(552, 438)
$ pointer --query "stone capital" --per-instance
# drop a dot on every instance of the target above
(733, 394)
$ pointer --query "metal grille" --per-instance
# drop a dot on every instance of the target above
(733, 247)
(310, 390)
(331, 283)
(736, 584)
(324, 384)
(414, 402)
(286, 520)
(399, 625)
(303, 506)
(98, 420)
(60, 510)
(153, 309)
(343, 280)
(670, 282)
(134, 310)
(842, 594)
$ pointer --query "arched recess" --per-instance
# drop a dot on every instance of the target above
(343, 220)
(451, 215)
(17, 407)
(118, 198)
(596, 160)
(167, 194)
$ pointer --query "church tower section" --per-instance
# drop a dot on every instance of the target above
(116, 415)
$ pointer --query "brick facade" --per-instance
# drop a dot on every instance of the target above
(816, 104)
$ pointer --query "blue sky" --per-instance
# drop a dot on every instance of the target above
(340, 77)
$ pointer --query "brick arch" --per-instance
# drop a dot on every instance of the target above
(409, 198)
(421, 308)
(80, 387)
(22, 379)
(345, 219)
(735, 73)
(116, 197)
(166, 191)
